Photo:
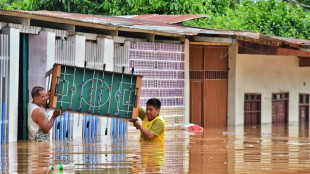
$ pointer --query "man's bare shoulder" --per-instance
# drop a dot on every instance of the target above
(37, 113)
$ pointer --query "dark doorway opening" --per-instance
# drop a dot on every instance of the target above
(23, 88)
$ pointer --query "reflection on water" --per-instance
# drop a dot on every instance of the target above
(274, 148)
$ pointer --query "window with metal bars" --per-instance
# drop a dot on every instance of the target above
(280, 96)
(303, 99)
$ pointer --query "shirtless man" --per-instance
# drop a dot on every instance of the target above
(38, 123)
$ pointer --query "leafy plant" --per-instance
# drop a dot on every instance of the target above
(272, 17)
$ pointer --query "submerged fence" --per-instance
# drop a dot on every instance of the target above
(4, 86)
(65, 55)
(121, 59)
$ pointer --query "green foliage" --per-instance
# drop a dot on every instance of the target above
(305, 2)
(271, 17)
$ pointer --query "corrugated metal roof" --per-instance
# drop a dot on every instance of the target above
(289, 40)
(255, 35)
(118, 22)
(138, 25)
(232, 33)
(168, 19)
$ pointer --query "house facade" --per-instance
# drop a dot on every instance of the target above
(202, 76)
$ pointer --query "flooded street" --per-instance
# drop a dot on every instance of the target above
(237, 149)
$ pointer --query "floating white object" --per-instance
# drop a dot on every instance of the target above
(63, 167)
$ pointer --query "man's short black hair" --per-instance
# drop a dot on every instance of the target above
(154, 102)
(36, 91)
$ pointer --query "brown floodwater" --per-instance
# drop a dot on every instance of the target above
(277, 148)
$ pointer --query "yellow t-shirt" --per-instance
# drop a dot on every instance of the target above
(157, 126)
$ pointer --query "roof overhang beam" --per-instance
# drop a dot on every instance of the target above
(101, 30)
(304, 61)
(15, 20)
(259, 41)
(293, 52)
(211, 39)
(54, 25)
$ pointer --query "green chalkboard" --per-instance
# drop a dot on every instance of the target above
(95, 92)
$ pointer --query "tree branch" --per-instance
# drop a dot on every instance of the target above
(297, 3)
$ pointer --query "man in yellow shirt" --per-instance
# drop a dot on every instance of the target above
(153, 126)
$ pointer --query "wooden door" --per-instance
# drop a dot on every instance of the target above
(304, 108)
(303, 113)
(208, 78)
(196, 85)
(279, 107)
(252, 109)
(279, 111)
(196, 102)
(304, 120)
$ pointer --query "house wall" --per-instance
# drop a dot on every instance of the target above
(50, 48)
(231, 103)
(162, 66)
(37, 61)
(265, 74)
(13, 83)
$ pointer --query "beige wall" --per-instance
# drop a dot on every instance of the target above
(187, 84)
(264, 74)
(231, 101)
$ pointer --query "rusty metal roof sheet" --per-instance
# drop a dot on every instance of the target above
(289, 40)
(250, 34)
(118, 22)
(255, 35)
(168, 19)
(138, 25)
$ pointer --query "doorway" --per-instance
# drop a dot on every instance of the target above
(280, 107)
(304, 115)
(304, 108)
(208, 82)
(252, 109)
(23, 88)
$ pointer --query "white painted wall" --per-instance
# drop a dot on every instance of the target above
(50, 57)
(51, 39)
(13, 82)
(79, 49)
(265, 74)
(37, 61)
(108, 52)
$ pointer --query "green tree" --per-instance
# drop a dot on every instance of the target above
(271, 17)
